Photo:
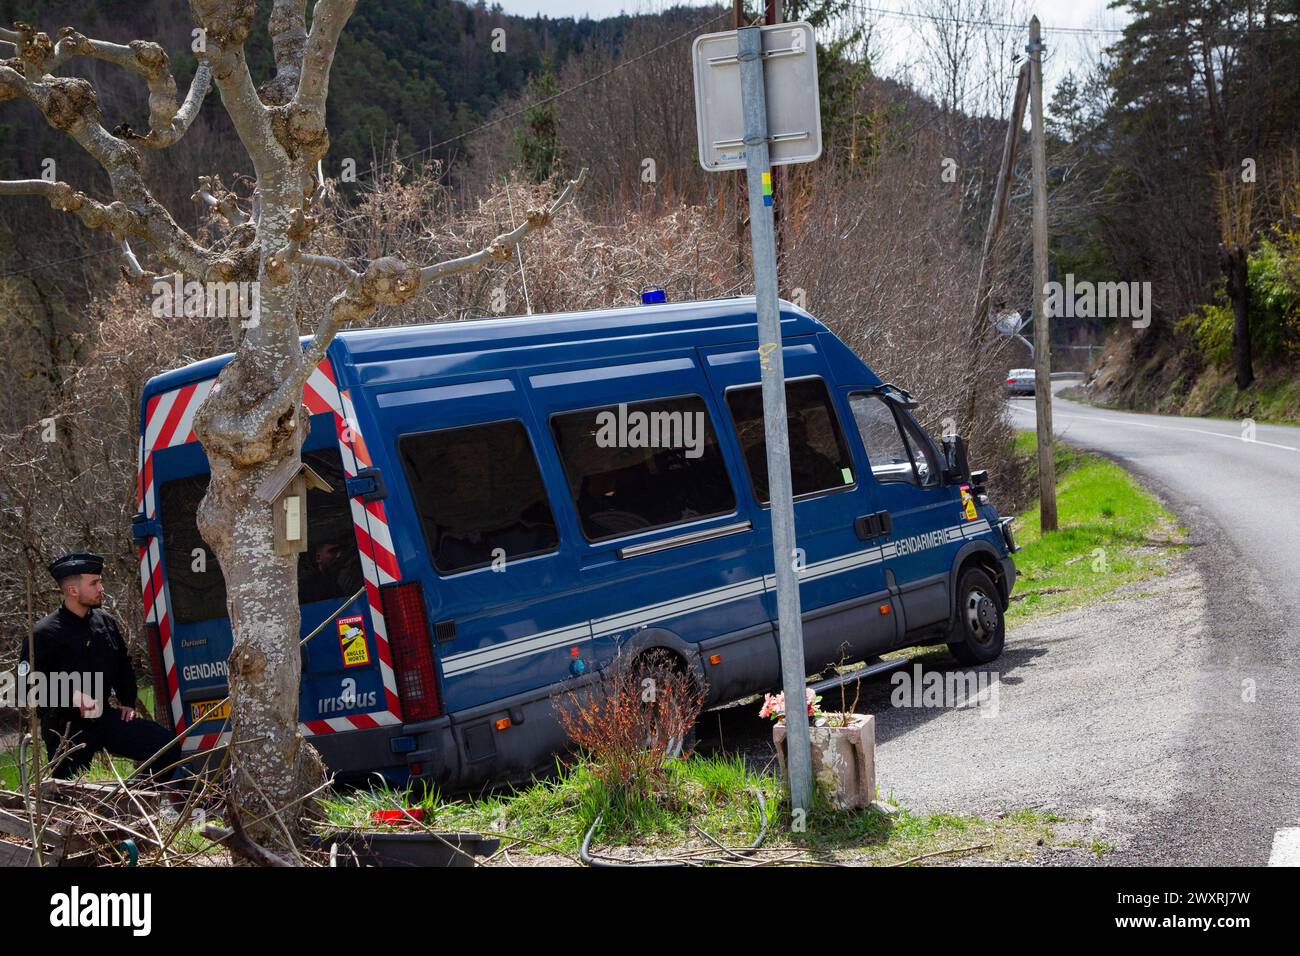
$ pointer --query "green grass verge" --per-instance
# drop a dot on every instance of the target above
(713, 793)
(1111, 533)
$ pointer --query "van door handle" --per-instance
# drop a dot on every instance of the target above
(873, 525)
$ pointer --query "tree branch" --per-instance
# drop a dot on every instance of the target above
(386, 281)
(390, 281)
(225, 25)
(32, 48)
(220, 199)
(136, 273)
(502, 246)
(236, 840)
(167, 123)
(64, 198)
(327, 22)
(328, 262)
(184, 117)
(304, 117)
(71, 106)
(288, 28)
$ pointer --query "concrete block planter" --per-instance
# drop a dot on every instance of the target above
(843, 759)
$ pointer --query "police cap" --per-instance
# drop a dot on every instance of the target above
(79, 562)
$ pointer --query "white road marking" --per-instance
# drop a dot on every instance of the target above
(1173, 428)
(1286, 848)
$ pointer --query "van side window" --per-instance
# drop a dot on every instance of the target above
(819, 457)
(895, 452)
(479, 494)
(642, 465)
(330, 568)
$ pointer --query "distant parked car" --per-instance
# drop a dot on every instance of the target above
(1020, 381)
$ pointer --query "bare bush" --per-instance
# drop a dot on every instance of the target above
(633, 720)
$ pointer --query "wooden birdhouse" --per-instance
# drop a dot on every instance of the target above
(285, 490)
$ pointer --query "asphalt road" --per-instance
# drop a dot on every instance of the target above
(1163, 721)
(1228, 728)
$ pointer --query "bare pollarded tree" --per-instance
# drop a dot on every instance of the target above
(251, 423)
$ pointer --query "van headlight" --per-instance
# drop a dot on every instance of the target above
(1005, 525)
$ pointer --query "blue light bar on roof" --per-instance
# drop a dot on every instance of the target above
(653, 294)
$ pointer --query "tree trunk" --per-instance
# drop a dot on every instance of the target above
(272, 763)
(247, 431)
(1233, 260)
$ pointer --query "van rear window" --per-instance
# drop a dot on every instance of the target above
(330, 568)
(819, 457)
(479, 495)
(642, 465)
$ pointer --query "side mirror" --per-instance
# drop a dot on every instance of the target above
(956, 466)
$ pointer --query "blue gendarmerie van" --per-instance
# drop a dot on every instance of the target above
(514, 502)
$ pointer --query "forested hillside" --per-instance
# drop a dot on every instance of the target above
(1184, 143)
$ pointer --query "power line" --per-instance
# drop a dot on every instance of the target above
(56, 262)
(936, 18)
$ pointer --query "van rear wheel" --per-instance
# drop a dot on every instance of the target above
(979, 630)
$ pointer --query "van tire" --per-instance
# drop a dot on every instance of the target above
(979, 627)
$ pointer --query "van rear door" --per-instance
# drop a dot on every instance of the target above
(341, 679)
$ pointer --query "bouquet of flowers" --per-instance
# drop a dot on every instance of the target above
(774, 705)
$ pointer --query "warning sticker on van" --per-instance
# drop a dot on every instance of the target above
(352, 640)
(968, 503)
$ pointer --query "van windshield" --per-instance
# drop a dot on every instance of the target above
(330, 568)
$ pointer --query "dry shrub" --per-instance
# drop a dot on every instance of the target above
(633, 720)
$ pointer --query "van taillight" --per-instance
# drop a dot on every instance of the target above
(162, 701)
(408, 636)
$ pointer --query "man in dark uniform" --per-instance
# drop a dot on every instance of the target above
(79, 638)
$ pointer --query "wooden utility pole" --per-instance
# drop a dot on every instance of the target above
(997, 216)
(1042, 324)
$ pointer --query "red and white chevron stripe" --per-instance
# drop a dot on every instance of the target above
(169, 421)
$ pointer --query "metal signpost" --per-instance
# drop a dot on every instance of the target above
(756, 106)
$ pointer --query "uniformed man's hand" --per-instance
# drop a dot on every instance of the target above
(87, 705)
(128, 713)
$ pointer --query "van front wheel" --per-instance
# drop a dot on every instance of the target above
(979, 630)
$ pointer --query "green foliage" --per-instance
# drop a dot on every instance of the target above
(539, 140)
(1273, 281)
(841, 74)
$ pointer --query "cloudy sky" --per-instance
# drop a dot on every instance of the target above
(1063, 13)
(1070, 48)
